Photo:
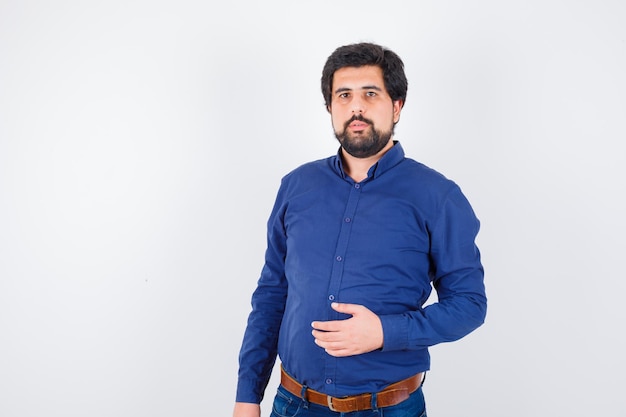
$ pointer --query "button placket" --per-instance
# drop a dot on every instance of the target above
(334, 287)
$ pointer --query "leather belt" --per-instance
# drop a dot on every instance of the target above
(392, 395)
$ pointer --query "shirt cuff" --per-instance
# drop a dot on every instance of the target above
(395, 332)
(247, 392)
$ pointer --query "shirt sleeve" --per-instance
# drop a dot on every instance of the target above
(259, 347)
(458, 278)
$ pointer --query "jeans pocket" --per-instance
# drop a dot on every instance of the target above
(285, 405)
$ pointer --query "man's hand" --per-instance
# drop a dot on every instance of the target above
(361, 333)
(247, 410)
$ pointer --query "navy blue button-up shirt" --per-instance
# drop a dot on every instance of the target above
(382, 243)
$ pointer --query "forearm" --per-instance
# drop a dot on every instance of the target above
(445, 321)
(260, 342)
(259, 350)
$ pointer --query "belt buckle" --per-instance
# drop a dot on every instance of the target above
(329, 399)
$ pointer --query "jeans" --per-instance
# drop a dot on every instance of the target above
(288, 405)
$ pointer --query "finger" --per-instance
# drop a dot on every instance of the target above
(345, 308)
(328, 344)
(326, 326)
(339, 353)
(332, 346)
(326, 336)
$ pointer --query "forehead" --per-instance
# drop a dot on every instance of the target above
(358, 77)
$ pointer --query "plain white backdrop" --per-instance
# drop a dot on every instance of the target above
(142, 144)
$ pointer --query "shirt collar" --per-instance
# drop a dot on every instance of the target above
(391, 158)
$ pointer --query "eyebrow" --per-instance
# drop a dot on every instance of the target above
(365, 87)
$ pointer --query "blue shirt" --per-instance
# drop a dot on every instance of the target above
(379, 243)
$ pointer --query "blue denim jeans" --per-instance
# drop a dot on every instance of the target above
(288, 405)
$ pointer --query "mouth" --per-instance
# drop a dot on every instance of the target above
(358, 125)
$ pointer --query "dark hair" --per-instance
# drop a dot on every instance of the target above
(361, 54)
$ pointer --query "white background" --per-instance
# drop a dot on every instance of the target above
(142, 144)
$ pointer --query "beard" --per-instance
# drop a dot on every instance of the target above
(363, 144)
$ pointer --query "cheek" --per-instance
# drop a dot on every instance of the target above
(336, 122)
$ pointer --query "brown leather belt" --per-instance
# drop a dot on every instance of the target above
(392, 395)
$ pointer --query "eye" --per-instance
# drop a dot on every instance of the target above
(371, 94)
(344, 95)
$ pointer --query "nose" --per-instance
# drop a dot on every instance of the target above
(357, 105)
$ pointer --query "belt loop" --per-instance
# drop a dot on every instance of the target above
(374, 402)
(303, 395)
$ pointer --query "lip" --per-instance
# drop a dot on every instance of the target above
(358, 125)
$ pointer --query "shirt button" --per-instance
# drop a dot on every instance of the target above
(331, 297)
(357, 185)
(348, 219)
(339, 258)
(329, 381)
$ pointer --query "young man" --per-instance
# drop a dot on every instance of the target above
(354, 243)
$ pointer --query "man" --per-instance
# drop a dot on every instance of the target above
(354, 243)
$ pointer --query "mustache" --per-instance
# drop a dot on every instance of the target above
(360, 118)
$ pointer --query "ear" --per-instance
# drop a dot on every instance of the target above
(328, 108)
(397, 108)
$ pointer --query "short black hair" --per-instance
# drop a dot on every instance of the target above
(361, 54)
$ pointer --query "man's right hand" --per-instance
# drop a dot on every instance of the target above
(247, 410)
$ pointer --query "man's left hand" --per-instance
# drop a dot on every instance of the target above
(361, 333)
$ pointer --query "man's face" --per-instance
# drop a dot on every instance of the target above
(362, 112)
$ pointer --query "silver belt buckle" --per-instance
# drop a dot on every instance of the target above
(329, 399)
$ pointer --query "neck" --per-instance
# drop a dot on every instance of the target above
(357, 168)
